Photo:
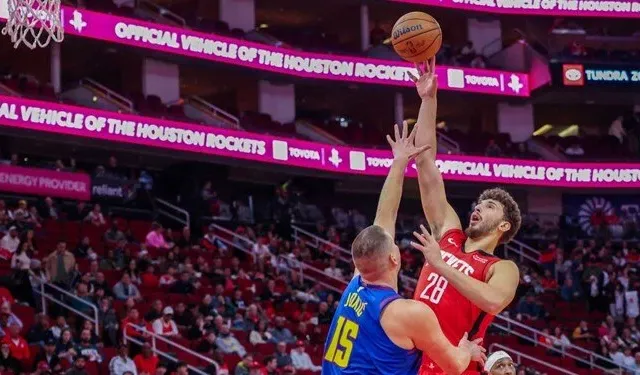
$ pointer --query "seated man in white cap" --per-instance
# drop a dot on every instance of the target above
(165, 326)
(499, 363)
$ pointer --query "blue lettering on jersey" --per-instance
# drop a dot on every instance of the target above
(357, 343)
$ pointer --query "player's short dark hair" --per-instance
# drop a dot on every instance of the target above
(510, 209)
(371, 241)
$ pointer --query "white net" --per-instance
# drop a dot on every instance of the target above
(34, 23)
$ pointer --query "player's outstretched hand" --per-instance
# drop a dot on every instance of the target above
(427, 79)
(403, 146)
(478, 353)
(428, 246)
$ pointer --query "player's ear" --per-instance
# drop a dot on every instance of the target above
(504, 226)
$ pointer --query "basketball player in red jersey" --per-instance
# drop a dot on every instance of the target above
(462, 281)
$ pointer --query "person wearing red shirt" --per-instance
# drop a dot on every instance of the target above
(146, 362)
(18, 346)
(5, 296)
(134, 318)
(148, 279)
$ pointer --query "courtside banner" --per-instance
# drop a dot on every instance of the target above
(45, 182)
(180, 41)
(57, 118)
(568, 8)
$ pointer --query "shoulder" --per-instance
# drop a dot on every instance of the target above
(505, 269)
(407, 309)
(453, 237)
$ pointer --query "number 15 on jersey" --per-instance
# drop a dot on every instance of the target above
(341, 344)
(436, 285)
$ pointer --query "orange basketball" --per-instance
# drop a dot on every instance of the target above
(416, 37)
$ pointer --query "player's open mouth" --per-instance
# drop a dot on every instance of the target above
(475, 218)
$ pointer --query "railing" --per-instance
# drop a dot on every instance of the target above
(337, 251)
(313, 274)
(522, 251)
(9, 90)
(305, 270)
(163, 12)
(107, 94)
(449, 144)
(173, 212)
(519, 355)
(155, 338)
(215, 112)
(508, 324)
(48, 297)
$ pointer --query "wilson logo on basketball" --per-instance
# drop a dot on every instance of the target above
(405, 30)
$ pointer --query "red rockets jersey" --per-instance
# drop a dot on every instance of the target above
(455, 312)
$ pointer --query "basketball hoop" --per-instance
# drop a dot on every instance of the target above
(34, 23)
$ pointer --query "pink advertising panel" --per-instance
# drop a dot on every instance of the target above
(34, 181)
(180, 41)
(569, 8)
(91, 123)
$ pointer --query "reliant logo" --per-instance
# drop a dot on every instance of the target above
(405, 30)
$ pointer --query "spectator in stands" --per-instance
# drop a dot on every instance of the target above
(124, 289)
(133, 272)
(280, 333)
(301, 359)
(183, 285)
(80, 212)
(133, 319)
(582, 332)
(113, 261)
(146, 362)
(82, 294)
(95, 216)
(48, 356)
(569, 292)
(121, 364)
(270, 365)
(211, 242)
(49, 209)
(87, 348)
(182, 369)
(165, 326)
(155, 312)
(529, 308)
(60, 265)
(228, 344)
(333, 270)
(208, 344)
(548, 282)
(182, 316)
(23, 216)
(282, 357)
(64, 346)
(325, 316)
(114, 235)
(60, 326)
(616, 355)
(244, 367)
(39, 332)
(8, 318)
(155, 238)
(493, 150)
(168, 278)
(83, 249)
(467, 53)
(574, 150)
(8, 362)
(260, 335)
(10, 242)
(18, 345)
(559, 340)
(617, 129)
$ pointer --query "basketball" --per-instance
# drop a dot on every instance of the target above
(416, 37)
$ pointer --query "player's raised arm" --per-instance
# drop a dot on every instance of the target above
(439, 213)
(404, 150)
(417, 322)
(492, 296)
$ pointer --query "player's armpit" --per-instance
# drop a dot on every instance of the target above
(439, 213)
(415, 322)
